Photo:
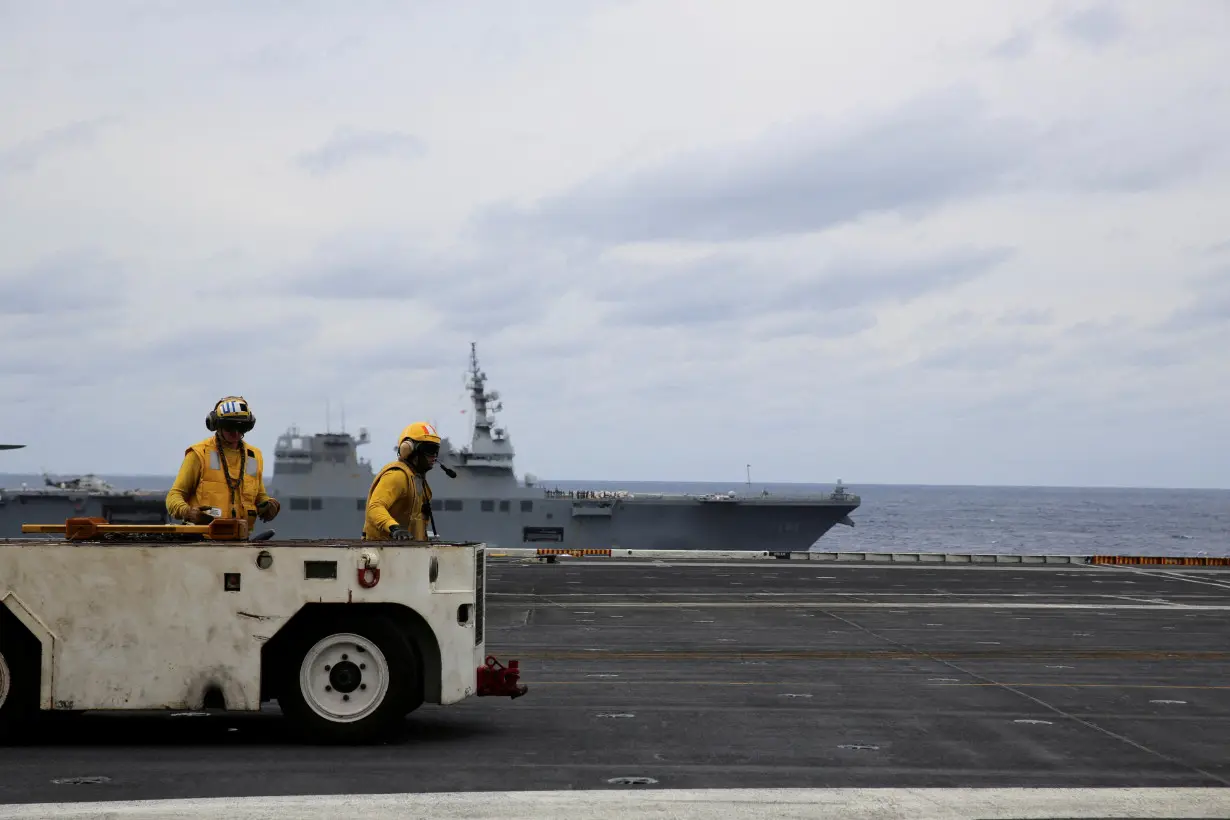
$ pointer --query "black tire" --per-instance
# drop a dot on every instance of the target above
(350, 681)
(412, 696)
(19, 680)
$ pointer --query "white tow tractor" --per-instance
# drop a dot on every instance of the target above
(347, 636)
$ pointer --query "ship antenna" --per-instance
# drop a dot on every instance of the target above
(477, 398)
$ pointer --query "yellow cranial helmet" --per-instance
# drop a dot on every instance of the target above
(231, 413)
(418, 437)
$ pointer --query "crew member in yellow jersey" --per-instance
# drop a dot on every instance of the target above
(399, 501)
(223, 472)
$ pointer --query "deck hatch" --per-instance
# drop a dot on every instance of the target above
(549, 534)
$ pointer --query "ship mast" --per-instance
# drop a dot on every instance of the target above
(478, 398)
(487, 442)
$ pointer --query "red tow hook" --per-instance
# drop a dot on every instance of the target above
(498, 680)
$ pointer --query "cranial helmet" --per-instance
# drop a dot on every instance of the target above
(231, 413)
(418, 437)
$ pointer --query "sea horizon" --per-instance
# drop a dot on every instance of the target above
(164, 481)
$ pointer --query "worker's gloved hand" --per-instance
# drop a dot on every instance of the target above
(198, 515)
(269, 510)
(399, 534)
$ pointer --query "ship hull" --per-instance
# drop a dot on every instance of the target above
(678, 524)
(33, 508)
(651, 523)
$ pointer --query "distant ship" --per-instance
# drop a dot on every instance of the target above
(323, 487)
(86, 495)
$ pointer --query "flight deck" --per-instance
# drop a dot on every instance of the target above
(692, 674)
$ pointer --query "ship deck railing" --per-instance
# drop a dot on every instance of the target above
(618, 495)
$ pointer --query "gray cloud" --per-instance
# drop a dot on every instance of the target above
(286, 55)
(725, 289)
(71, 281)
(984, 355)
(1089, 349)
(1142, 350)
(795, 180)
(383, 272)
(855, 283)
(1026, 316)
(26, 155)
(1138, 161)
(961, 318)
(1096, 26)
(230, 339)
(1099, 328)
(836, 324)
(348, 146)
(935, 150)
(489, 290)
(1019, 45)
(479, 289)
(203, 348)
(1096, 348)
(1209, 306)
(1211, 311)
(1144, 144)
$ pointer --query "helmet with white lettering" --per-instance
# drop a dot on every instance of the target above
(231, 413)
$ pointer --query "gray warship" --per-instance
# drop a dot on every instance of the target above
(323, 485)
(88, 496)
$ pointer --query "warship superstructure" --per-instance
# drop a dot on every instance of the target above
(323, 485)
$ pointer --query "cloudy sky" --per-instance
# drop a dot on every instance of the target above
(952, 242)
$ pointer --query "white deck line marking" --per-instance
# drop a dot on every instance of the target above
(721, 593)
(1175, 576)
(634, 803)
(866, 605)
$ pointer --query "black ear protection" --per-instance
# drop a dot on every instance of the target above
(406, 448)
(213, 422)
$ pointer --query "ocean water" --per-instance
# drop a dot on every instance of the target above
(1021, 520)
(1017, 520)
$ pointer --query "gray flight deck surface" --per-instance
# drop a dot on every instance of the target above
(727, 674)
